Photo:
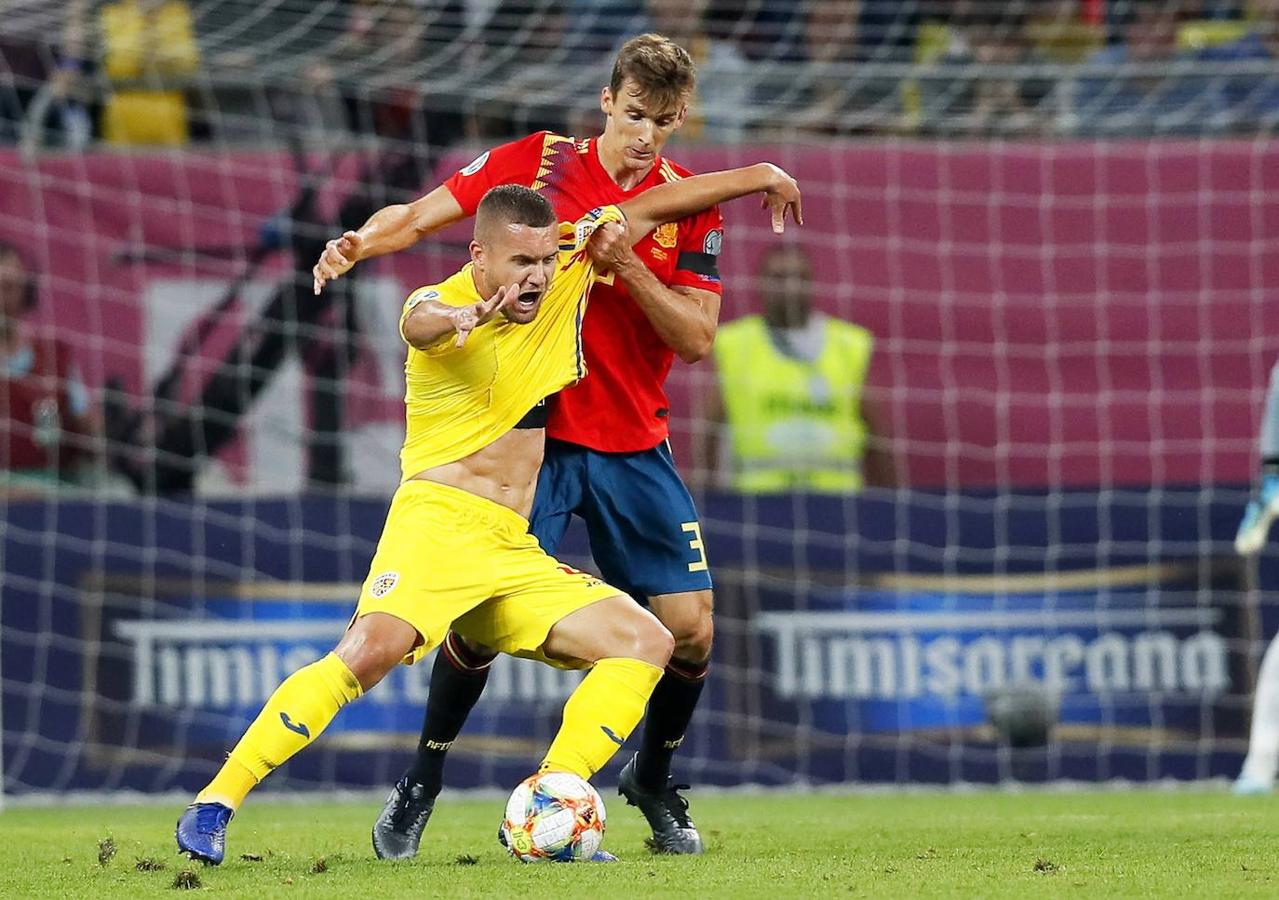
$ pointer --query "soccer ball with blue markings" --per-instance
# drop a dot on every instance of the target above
(554, 816)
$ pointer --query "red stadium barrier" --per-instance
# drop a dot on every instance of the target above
(1072, 314)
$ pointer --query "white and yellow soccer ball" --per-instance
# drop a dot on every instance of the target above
(554, 816)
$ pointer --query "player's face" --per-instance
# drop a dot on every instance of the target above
(636, 126)
(518, 254)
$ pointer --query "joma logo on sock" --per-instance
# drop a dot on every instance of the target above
(611, 736)
(295, 727)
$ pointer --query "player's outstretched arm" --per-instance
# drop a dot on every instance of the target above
(430, 321)
(389, 230)
(676, 200)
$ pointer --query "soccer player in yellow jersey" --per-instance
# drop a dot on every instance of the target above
(487, 346)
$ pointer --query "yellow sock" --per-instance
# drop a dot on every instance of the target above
(301, 707)
(600, 715)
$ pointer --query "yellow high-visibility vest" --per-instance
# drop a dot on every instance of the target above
(795, 425)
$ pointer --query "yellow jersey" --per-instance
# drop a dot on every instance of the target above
(461, 399)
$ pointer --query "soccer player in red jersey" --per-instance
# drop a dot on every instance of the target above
(607, 459)
(46, 421)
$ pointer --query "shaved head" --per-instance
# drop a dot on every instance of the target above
(511, 204)
(516, 241)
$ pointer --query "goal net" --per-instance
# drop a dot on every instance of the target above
(1058, 221)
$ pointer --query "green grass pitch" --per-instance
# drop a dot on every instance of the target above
(1181, 844)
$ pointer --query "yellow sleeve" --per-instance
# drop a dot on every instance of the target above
(573, 257)
(439, 293)
(586, 226)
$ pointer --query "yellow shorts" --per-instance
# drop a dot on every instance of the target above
(450, 559)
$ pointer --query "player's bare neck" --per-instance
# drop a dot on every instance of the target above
(478, 281)
(614, 162)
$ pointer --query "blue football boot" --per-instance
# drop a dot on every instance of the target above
(1258, 515)
(201, 831)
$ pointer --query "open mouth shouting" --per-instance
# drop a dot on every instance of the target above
(523, 309)
(527, 300)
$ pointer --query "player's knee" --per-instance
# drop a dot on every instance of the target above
(649, 640)
(690, 621)
(693, 642)
(371, 648)
(369, 663)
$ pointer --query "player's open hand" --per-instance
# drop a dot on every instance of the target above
(782, 198)
(339, 255)
(610, 246)
(467, 318)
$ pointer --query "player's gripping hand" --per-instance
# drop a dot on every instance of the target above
(610, 247)
(339, 255)
(467, 318)
(781, 198)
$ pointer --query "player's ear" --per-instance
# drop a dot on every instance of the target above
(683, 114)
(606, 100)
(477, 254)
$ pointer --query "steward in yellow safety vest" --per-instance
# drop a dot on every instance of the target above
(792, 385)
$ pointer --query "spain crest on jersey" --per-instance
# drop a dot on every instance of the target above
(667, 235)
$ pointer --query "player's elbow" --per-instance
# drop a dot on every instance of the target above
(420, 223)
(697, 347)
(421, 332)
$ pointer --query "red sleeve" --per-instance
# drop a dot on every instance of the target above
(701, 239)
(513, 163)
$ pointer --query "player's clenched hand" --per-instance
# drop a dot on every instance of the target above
(783, 197)
(467, 318)
(339, 255)
(610, 246)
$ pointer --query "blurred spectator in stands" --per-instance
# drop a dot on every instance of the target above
(59, 113)
(374, 70)
(830, 97)
(46, 424)
(598, 27)
(970, 90)
(519, 97)
(149, 56)
(1250, 101)
(791, 413)
(774, 32)
(1161, 98)
(723, 91)
(25, 62)
(1061, 31)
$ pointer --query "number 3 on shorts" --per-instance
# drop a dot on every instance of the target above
(695, 543)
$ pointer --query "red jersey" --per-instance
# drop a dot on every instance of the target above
(42, 398)
(621, 407)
